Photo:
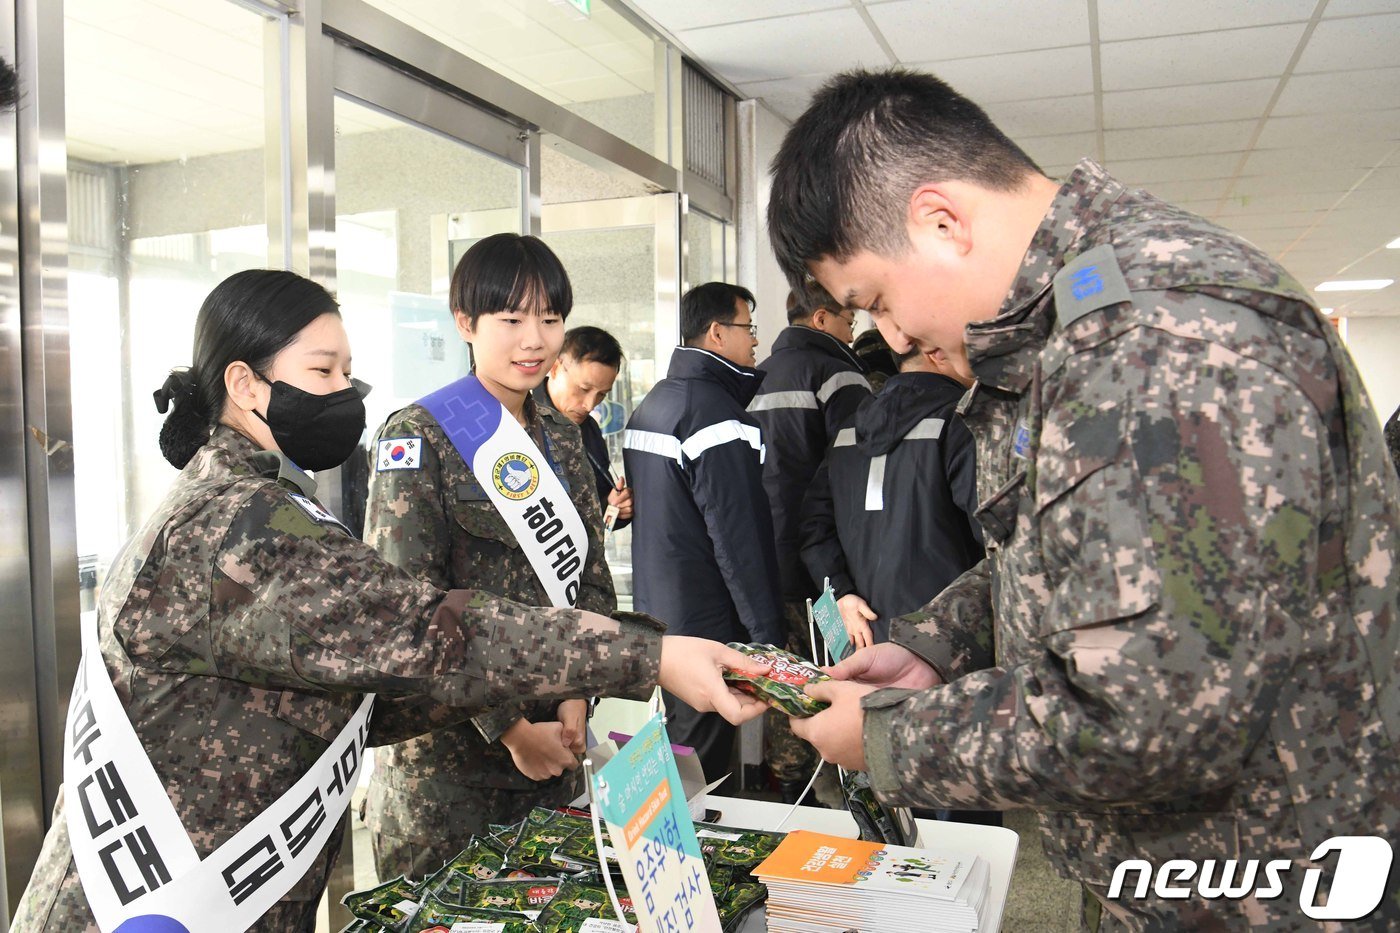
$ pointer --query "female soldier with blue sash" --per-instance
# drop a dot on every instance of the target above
(496, 495)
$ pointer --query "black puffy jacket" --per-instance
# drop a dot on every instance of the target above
(702, 540)
(812, 385)
(889, 514)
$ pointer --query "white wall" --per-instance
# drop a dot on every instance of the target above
(760, 138)
(1374, 343)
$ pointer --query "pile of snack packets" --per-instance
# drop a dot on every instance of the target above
(544, 876)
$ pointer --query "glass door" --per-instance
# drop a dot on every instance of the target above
(419, 175)
(623, 258)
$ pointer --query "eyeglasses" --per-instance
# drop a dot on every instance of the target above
(751, 328)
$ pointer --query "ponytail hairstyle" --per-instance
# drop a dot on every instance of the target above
(250, 317)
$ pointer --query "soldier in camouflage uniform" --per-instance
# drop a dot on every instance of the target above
(1191, 590)
(242, 625)
(429, 795)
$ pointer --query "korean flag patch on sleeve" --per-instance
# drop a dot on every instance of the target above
(399, 453)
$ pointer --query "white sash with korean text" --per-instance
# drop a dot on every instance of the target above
(519, 481)
(139, 869)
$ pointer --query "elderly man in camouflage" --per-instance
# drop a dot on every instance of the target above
(1182, 644)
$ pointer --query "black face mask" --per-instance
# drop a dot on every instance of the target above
(316, 432)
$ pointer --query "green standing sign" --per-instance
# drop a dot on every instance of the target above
(827, 615)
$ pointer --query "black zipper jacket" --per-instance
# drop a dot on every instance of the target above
(812, 386)
(702, 539)
(889, 514)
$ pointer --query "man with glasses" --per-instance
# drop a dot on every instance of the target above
(702, 540)
(812, 386)
(579, 381)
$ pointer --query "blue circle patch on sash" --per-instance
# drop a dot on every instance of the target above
(152, 923)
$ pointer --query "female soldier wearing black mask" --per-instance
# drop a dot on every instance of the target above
(221, 707)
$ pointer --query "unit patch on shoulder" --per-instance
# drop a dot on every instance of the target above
(399, 453)
(318, 515)
(1087, 283)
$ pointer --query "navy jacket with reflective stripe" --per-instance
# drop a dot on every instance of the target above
(812, 386)
(889, 514)
(702, 539)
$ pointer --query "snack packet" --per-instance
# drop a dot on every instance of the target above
(437, 916)
(528, 897)
(781, 687)
(532, 852)
(390, 905)
(736, 848)
(577, 901)
(875, 822)
(737, 901)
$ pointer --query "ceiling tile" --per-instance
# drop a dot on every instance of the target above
(1146, 172)
(1064, 149)
(1229, 55)
(1187, 139)
(676, 15)
(1019, 75)
(1338, 8)
(1337, 180)
(1306, 155)
(1190, 192)
(1240, 205)
(1196, 103)
(1362, 42)
(816, 43)
(1339, 90)
(1350, 127)
(920, 31)
(1045, 117)
(1133, 19)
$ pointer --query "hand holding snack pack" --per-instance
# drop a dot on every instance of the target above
(781, 687)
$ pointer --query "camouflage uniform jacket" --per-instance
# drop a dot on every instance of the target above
(437, 523)
(1192, 576)
(241, 633)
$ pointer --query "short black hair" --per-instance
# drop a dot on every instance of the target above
(510, 272)
(847, 168)
(705, 304)
(588, 343)
(807, 300)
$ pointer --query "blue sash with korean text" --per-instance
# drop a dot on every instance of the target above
(519, 482)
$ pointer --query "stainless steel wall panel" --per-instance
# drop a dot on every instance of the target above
(22, 806)
(48, 414)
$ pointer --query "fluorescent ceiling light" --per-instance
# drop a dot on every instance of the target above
(1328, 310)
(1393, 244)
(1354, 285)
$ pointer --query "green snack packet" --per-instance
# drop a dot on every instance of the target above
(477, 861)
(528, 896)
(738, 900)
(577, 901)
(781, 687)
(736, 848)
(390, 905)
(437, 916)
(874, 820)
(362, 926)
(532, 852)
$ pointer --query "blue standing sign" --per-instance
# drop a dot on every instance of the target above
(639, 795)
